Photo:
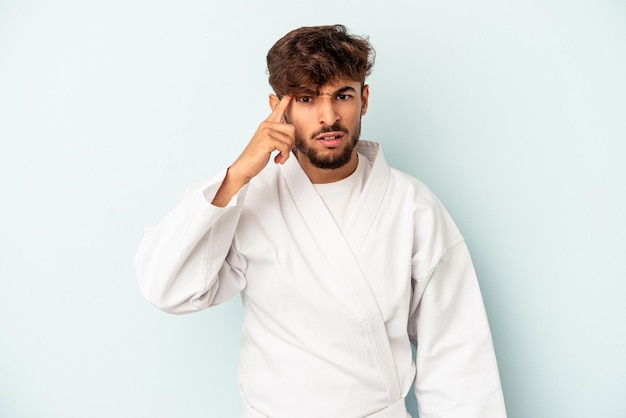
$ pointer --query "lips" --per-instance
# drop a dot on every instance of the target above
(330, 139)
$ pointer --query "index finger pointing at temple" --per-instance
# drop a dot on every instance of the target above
(279, 111)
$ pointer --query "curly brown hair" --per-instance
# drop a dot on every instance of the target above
(307, 58)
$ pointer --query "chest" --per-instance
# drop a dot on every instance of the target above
(291, 265)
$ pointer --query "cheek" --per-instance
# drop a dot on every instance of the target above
(301, 130)
(354, 116)
(301, 121)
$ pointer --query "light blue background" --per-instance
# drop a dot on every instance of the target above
(513, 112)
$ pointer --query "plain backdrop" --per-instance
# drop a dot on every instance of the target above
(513, 112)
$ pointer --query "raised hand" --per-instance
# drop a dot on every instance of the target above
(273, 134)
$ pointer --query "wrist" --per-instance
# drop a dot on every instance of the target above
(232, 183)
(235, 177)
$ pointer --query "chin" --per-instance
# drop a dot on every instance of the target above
(339, 157)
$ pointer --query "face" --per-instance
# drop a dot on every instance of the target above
(328, 123)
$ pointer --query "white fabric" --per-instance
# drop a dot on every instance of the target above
(395, 410)
(341, 196)
(330, 312)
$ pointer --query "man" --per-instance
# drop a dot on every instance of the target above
(341, 261)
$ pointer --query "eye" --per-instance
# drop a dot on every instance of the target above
(305, 99)
(343, 97)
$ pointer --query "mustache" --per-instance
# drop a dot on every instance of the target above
(335, 127)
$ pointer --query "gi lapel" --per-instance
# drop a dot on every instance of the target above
(312, 219)
(371, 198)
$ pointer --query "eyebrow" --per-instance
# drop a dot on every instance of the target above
(344, 89)
(337, 92)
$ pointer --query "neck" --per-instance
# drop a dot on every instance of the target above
(320, 176)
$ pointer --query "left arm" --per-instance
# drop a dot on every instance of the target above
(457, 374)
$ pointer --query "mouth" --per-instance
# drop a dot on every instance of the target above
(330, 139)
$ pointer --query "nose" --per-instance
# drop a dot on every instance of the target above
(326, 112)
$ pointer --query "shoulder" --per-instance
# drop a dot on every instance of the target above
(408, 187)
(401, 184)
(434, 227)
(263, 188)
(269, 175)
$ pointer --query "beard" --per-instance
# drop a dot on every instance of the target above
(334, 160)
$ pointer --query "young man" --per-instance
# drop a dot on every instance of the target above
(341, 261)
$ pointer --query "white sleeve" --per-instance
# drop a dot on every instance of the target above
(188, 261)
(456, 370)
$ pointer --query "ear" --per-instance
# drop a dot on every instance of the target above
(273, 100)
(364, 99)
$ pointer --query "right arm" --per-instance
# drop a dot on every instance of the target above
(179, 260)
(188, 261)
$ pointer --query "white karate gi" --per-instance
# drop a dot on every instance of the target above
(330, 313)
